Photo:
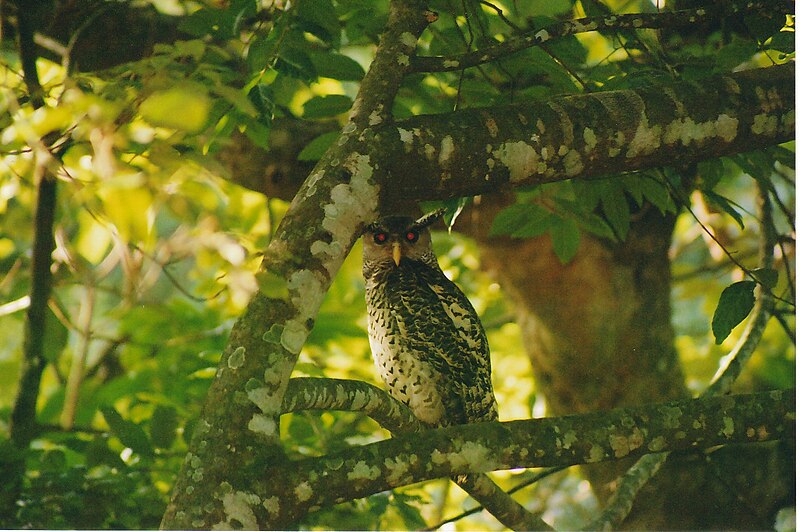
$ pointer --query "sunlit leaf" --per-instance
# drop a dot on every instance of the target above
(184, 107)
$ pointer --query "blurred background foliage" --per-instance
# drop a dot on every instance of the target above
(157, 246)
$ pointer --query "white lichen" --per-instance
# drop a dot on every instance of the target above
(520, 159)
(236, 360)
(590, 139)
(397, 468)
(408, 39)
(451, 63)
(727, 427)
(303, 491)
(446, 150)
(238, 508)
(645, 140)
(305, 287)
(263, 424)
(764, 124)
(596, 454)
(658, 444)
(407, 138)
(294, 335)
(362, 471)
(573, 164)
(262, 397)
(272, 506)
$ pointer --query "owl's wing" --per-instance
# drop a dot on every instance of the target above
(476, 375)
(459, 345)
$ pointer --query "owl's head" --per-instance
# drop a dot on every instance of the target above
(391, 239)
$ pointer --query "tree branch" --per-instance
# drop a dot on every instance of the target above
(310, 393)
(578, 439)
(23, 414)
(476, 151)
(674, 20)
(357, 396)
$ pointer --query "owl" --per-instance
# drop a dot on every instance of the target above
(427, 341)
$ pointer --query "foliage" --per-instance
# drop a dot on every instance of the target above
(157, 249)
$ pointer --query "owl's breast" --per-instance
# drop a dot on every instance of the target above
(399, 354)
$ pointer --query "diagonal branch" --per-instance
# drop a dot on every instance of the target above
(633, 21)
(308, 248)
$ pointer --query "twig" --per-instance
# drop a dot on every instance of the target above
(676, 19)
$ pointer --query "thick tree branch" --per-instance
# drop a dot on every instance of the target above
(674, 20)
(309, 246)
(476, 151)
(570, 440)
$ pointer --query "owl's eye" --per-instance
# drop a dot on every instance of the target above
(380, 238)
(412, 236)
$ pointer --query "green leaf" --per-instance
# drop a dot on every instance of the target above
(725, 205)
(319, 18)
(566, 238)
(733, 54)
(164, 426)
(185, 107)
(766, 276)
(263, 48)
(324, 106)
(594, 224)
(453, 208)
(294, 62)
(129, 433)
(520, 220)
(657, 193)
(735, 303)
(317, 147)
(615, 207)
(336, 66)
(711, 172)
(782, 41)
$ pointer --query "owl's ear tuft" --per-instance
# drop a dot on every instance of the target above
(428, 219)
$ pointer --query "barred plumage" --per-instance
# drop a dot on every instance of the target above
(426, 338)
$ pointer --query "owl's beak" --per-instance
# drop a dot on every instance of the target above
(396, 253)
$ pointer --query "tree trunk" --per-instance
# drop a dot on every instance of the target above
(599, 335)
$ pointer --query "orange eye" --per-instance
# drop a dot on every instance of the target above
(412, 236)
(380, 238)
